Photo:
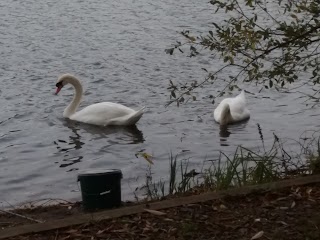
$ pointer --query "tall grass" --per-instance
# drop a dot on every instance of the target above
(243, 167)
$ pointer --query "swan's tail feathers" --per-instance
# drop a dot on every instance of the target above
(128, 120)
(141, 109)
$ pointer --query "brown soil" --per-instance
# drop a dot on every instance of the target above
(38, 214)
(290, 213)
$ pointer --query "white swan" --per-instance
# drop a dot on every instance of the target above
(232, 110)
(103, 114)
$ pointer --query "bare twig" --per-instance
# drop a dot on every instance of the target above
(57, 233)
(197, 86)
(19, 215)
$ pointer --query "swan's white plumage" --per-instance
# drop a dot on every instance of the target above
(232, 110)
(104, 113)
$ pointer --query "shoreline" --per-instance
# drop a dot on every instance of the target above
(77, 217)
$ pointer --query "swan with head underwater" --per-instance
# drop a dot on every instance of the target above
(102, 114)
(232, 110)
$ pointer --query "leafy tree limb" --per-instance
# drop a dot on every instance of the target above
(266, 49)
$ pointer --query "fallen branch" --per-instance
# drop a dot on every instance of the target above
(19, 215)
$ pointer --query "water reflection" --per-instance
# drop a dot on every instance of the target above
(226, 131)
(71, 147)
(71, 161)
(124, 134)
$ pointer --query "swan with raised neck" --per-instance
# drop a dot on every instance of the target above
(74, 104)
(103, 113)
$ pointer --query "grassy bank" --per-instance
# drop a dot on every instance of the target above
(243, 167)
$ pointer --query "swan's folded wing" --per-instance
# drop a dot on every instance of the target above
(127, 120)
(106, 114)
(240, 112)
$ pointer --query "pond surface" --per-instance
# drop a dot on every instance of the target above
(117, 49)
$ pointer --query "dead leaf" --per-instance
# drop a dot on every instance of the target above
(283, 208)
(155, 212)
(281, 198)
(71, 231)
(309, 191)
(64, 238)
(172, 230)
(148, 157)
(168, 220)
(223, 206)
(258, 235)
(297, 195)
(148, 224)
(120, 231)
(283, 223)
(192, 205)
(145, 229)
(100, 232)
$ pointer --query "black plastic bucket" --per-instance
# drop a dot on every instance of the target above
(100, 189)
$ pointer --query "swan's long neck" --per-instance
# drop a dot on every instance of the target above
(226, 117)
(73, 106)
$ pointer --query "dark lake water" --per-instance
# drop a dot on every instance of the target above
(117, 49)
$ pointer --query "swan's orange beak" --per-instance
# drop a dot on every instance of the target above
(58, 89)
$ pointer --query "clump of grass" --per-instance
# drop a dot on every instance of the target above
(180, 180)
(314, 160)
(154, 190)
(182, 183)
(243, 167)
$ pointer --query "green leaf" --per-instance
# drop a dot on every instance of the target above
(169, 51)
(231, 60)
(238, 27)
(216, 25)
(294, 16)
(270, 83)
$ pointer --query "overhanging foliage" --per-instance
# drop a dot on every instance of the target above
(270, 44)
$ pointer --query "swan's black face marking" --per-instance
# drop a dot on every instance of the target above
(59, 86)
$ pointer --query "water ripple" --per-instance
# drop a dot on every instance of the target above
(116, 48)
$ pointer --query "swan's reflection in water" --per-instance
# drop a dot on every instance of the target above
(224, 134)
(124, 135)
(226, 131)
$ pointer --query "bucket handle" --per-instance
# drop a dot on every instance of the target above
(105, 192)
(102, 193)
